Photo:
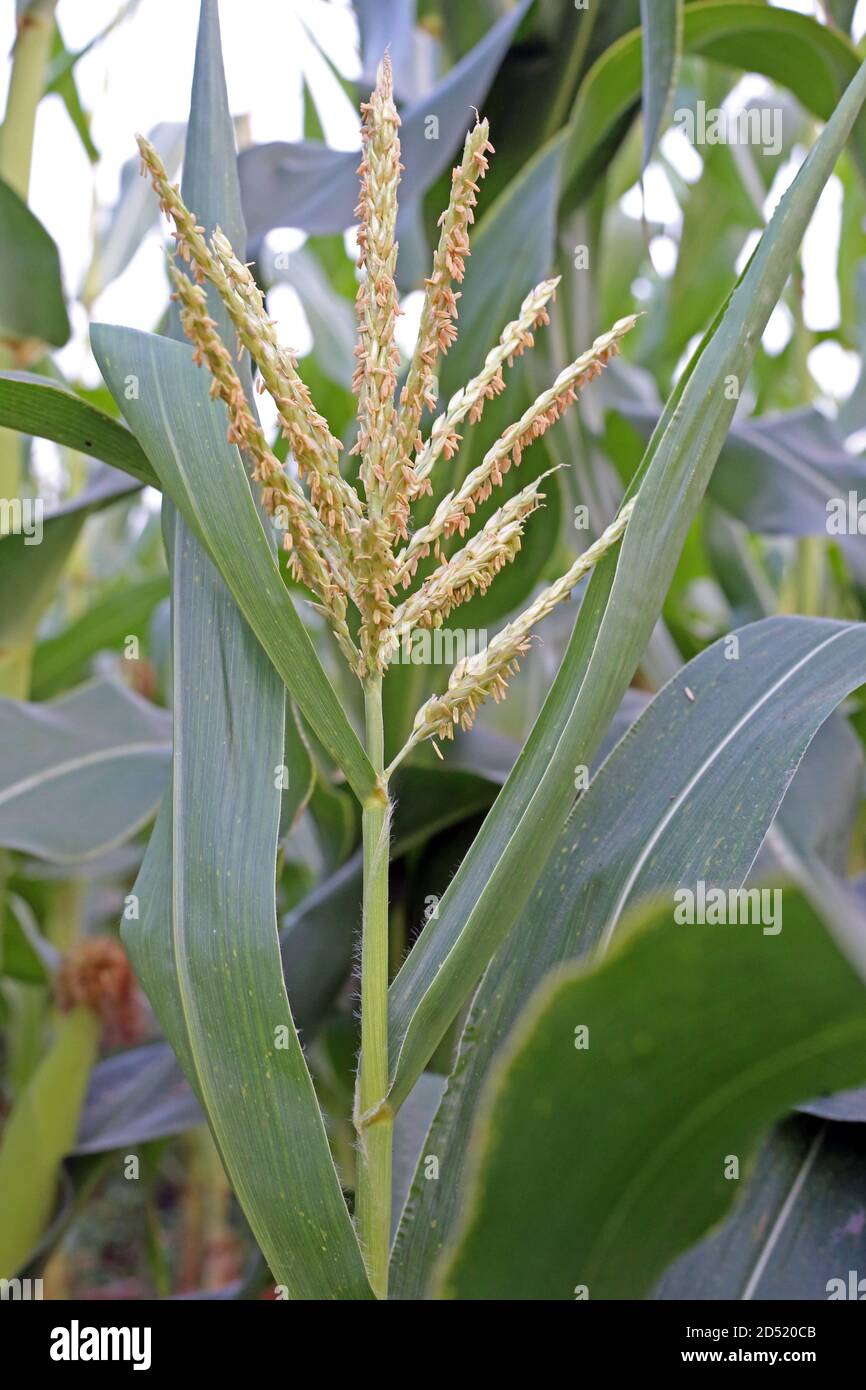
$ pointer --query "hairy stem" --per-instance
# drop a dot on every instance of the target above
(373, 1116)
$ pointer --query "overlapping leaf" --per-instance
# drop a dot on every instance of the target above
(622, 602)
(687, 795)
(580, 1148)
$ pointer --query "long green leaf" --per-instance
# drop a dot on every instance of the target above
(657, 814)
(777, 474)
(40, 406)
(29, 572)
(207, 946)
(698, 1038)
(622, 603)
(662, 30)
(63, 659)
(206, 943)
(315, 187)
(133, 1097)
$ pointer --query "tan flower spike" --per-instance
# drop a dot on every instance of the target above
(477, 678)
(356, 549)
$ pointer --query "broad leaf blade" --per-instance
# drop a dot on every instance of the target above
(795, 1232)
(63, 659)
(32, 559)
(580, 1149)
(316, 188)
(778, 473)
(37, 405)
(133, 1097)
(814, 61)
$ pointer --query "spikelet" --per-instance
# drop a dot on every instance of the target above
(378, 361)
(471, 570)
(315, 449)
(455, 510)
(437, 329)
(314, 558)
(469, 401)
(377, 302)
(477, 678)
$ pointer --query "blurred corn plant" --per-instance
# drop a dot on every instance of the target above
(535, 1059)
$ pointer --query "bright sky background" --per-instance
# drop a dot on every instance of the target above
(136, 78)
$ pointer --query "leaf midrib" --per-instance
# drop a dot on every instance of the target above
(73, 765)
(682, 796)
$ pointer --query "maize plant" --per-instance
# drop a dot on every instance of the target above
(468, 1013)
(356, 548)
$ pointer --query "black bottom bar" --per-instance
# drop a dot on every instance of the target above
(89, 1339)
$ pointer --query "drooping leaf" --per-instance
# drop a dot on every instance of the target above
(387, 24)
(778, 473)
(797, 1226)
(815, 62)
(32, 558)
(81, 774)
(133, 1097)
(63, 659)
(38, 405)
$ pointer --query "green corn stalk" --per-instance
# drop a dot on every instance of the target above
(29, 61)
